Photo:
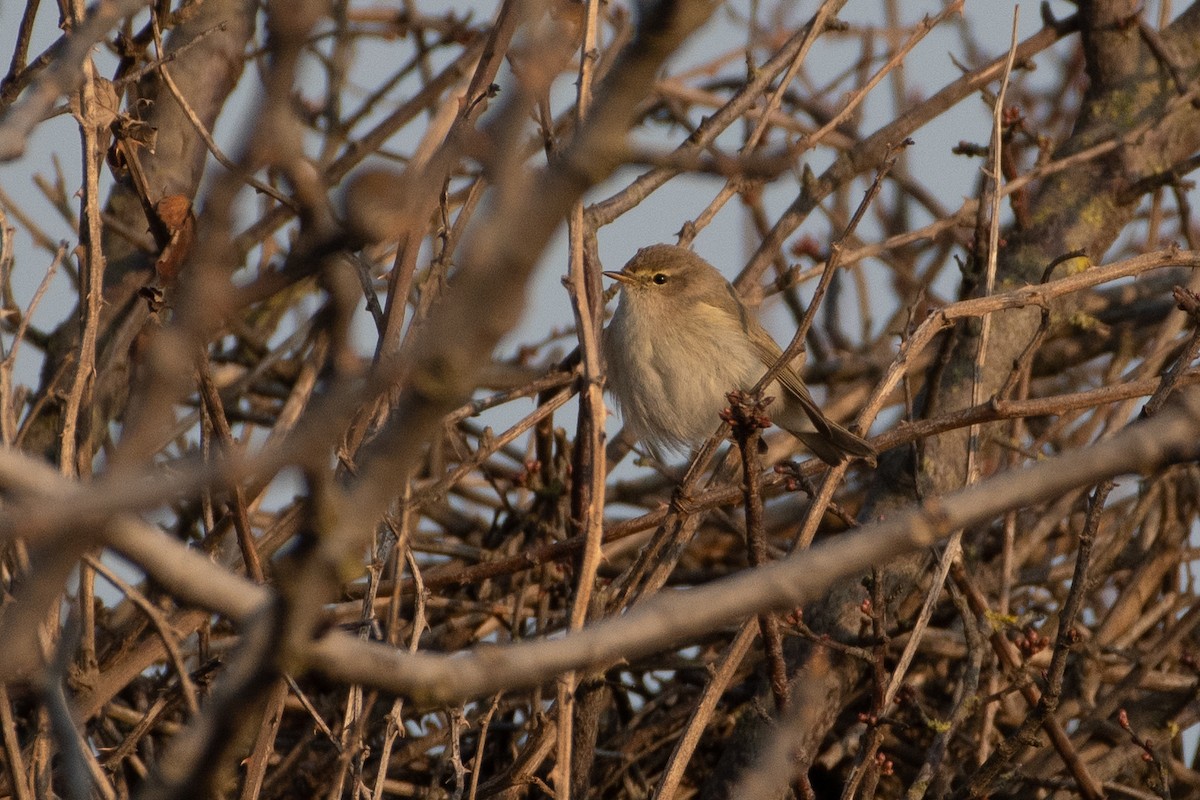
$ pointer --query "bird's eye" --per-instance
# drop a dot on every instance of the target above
(659, 278)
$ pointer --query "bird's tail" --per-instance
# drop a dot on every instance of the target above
(836, 443)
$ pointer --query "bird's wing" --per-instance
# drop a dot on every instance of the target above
(831, 441)
(769, 352)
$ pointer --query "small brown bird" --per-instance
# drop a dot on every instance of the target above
(681, 339)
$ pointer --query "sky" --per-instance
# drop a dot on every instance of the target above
(725, 243)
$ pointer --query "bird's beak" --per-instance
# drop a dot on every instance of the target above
(618, 276)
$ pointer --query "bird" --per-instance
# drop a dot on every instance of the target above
(681, 339)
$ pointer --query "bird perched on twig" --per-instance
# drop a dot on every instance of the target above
(681, 339)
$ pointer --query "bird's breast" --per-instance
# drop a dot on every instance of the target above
(671, 373)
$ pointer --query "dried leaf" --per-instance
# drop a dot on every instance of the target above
(175, 213)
